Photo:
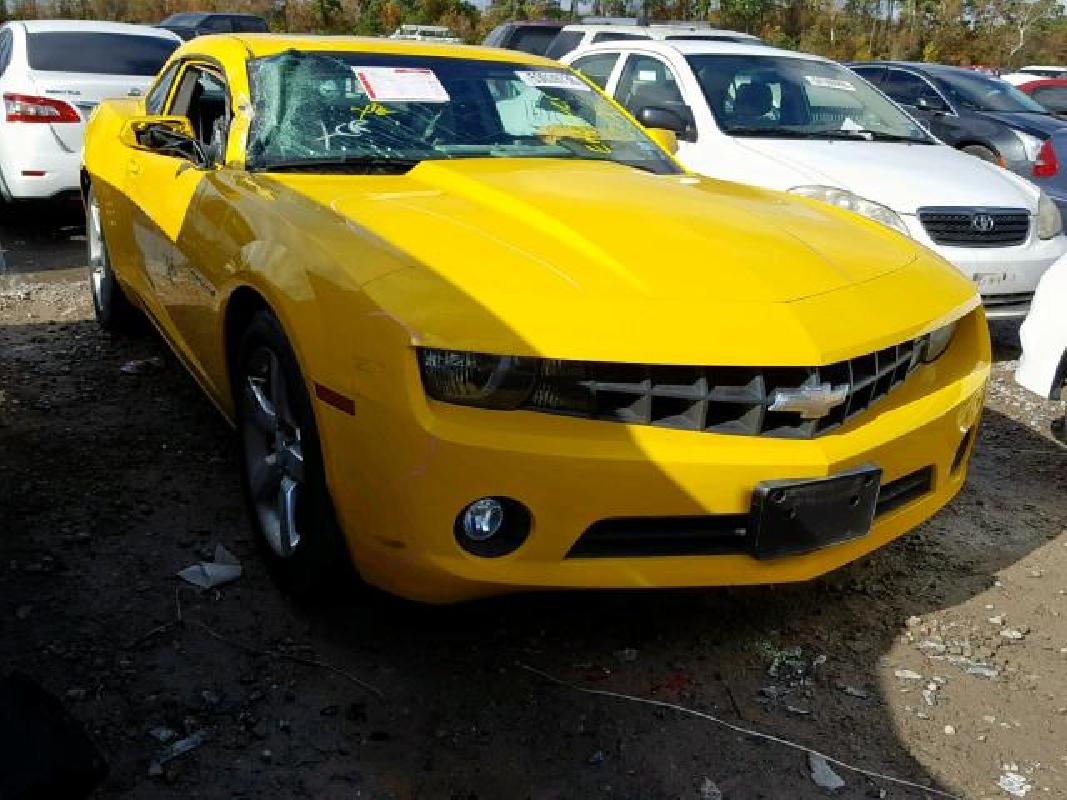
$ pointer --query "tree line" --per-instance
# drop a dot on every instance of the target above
(997, 33)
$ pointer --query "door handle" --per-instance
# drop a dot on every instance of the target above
(133, 167)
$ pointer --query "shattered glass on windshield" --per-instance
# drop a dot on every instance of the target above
(317, 111)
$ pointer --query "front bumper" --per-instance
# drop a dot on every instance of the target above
(398, 502)
(1006, 276)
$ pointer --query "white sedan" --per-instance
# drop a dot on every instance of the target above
(52, 75)
(801, 123)
(1043, 366)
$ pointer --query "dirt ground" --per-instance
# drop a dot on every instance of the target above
(941, 660)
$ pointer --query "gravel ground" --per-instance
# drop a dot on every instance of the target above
(941, 660)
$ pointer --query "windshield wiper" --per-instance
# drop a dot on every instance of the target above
(359, 165)
(867, 135)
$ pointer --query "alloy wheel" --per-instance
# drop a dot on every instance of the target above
(97, 261)
(274, 459)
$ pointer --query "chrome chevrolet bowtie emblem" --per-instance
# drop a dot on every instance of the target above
(983, 223)
(811, 402)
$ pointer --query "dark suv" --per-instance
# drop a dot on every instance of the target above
(976, 113)
(529, 36)
(190, 25)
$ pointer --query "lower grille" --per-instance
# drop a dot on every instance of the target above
(784, 402)
(712, 534)
(1014, 299)
(976, 227)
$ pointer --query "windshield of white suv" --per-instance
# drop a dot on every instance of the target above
(976, 92)
(782, 97)
(352, 111)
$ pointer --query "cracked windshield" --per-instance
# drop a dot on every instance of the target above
(355, 111)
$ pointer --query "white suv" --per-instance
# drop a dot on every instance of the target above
(52, 75)
(573, 37)
(804, 124)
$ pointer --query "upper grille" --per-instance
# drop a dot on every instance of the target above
(976, 227)
(731, 400)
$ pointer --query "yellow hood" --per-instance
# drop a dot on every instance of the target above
(566, 258)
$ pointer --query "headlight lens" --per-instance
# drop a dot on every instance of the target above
(478, 379)
(937, 342)
(1049, 222)
(854, 203)
(1031, 145)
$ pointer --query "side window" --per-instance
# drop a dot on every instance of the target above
(564, 42)
(906, 88)
(6, 44)
(217, 24)
(1054, 98)
(157, 97)
(873, 75)
(249, 25)
(202, 97)
(647, 81)
(597, 67)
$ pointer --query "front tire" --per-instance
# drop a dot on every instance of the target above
(114, 311)
(281, 465)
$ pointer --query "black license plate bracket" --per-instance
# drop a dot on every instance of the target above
(791, 517)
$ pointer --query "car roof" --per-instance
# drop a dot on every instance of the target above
(259, 45)
(680, 27)
(697, 47)
(87, 26)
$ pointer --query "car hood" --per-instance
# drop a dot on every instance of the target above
(1034, 123)
(885, 172)
(562, 257)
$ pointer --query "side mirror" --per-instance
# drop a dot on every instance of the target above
(664, 138)
(928, 103)
(169, 136)
(666, 119)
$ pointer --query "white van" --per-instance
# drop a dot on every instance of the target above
(804, 124)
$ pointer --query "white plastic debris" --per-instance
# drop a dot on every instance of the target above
(908, 675)
(822, 774)
(141, 365)
(179, 748)
(1014, 784)
(208, 574)
(983, 671)
(1012, 633)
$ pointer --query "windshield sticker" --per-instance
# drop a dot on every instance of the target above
(401, 85)
(829, 83)
(551, 79)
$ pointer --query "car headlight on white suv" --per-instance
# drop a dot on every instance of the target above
(1049, 221)
(854, 203)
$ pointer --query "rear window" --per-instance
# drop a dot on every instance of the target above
(99, 53)
(564, 42)
(616, 36)
(533, 39)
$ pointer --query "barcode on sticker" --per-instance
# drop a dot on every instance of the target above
(552, 79)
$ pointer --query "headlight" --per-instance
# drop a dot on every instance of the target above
(1031, 145)
(1049, 222)
(854, 203)
(477, 379)
(936, 343)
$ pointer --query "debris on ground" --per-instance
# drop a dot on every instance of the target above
(709, 790)
(140, 366)
(178, 748)
(209, 574)
(1014, 784)
(823, 774)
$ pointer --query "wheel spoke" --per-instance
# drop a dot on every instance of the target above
(279, 393)
(291, 456)
(288, 537)
(260, 408)
(264, 477)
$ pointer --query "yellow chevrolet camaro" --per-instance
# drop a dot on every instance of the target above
(479, 332)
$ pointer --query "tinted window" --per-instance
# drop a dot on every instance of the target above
(616, 36)
(906, 87)
(532, 39)
(495, 37)
(250, 24)
(597, 68)
(158, 96)
(1054, 98)
(647, 81)
(182, 19)
(564, 42)
(216, 25)
(5, 50)
(873, 75)
(979, 93)
(100, 53)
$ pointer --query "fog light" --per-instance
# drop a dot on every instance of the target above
(492, 526)
(483, 519)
